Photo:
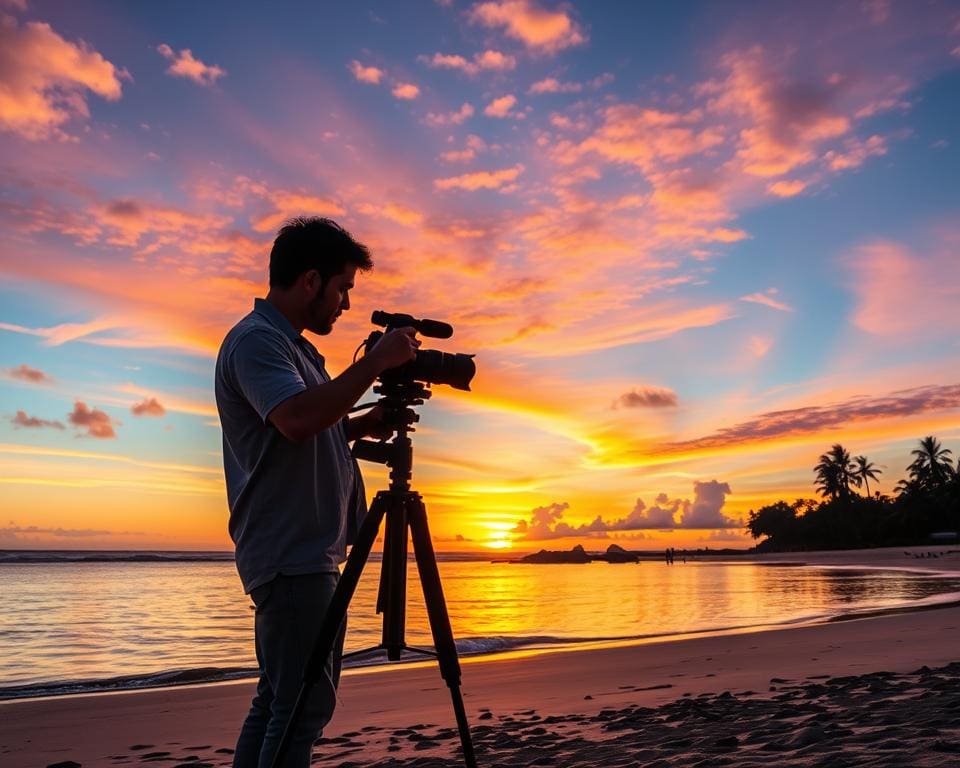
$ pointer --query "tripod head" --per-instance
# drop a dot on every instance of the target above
(398, 399)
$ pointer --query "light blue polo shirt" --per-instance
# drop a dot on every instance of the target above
(294, 507)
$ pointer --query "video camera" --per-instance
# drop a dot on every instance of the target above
(430, 365)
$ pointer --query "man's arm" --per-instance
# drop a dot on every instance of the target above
(321, 406)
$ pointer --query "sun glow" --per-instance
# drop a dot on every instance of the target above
(498, 539)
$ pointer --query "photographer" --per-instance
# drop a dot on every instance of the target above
(295, 493)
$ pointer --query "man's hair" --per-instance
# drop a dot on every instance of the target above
(311, 242)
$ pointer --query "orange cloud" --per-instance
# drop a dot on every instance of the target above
(540, 29)
(371, 75)
(45, 79)
(183, 64)
(406, 91)
(501, 107)
(395, 212)
(149, 407)
(127, 222)
(288, 203)
(480, 179)
(787, 187)
(93, 420)
(648, 138)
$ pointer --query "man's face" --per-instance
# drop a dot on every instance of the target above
(330, 301)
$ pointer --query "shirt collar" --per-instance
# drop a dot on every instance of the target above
(276, 318)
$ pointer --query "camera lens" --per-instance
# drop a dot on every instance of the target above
(455, 370)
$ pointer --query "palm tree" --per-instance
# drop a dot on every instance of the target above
(932, 467)
(866, 471)
(836, 473)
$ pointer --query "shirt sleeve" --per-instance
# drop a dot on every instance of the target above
(264, 371)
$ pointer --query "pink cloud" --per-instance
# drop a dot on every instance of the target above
(855, 153)
(32, 422)
(705, 512)
(458, 155)
(435, 119)
(148, 407)
(552, 85)
(46, 79)
(783, 123)
(767, 300)
(183, 64)
(540, 29)
(647, 397)
(901, 293)
(823, 418)
(56, 335)
(365, 74)
(25, 373)
(97, 423)
(486, 61)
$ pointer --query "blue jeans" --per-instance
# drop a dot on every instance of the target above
(289, 612)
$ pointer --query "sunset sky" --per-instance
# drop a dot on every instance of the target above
(691, 244)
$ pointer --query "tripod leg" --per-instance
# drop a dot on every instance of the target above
(392, 599)
(334, 618)
(439, 618)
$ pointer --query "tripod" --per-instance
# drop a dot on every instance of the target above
(405, 514)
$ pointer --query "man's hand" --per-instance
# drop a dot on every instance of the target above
(395, 347)
(371, 424)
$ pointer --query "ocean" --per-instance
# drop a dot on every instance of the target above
(74, 622)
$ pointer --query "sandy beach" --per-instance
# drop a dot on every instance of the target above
(883, 690)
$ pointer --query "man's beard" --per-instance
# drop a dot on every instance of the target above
(312, 308)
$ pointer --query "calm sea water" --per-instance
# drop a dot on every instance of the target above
(68, 626)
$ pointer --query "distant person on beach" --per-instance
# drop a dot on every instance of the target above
(295, 493)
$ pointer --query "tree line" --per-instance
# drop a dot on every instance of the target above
(926, 501)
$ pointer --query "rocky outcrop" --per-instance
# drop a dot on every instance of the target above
(614, 554)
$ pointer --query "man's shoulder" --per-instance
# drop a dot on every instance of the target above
(253, 332)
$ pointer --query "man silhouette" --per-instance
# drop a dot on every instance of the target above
(295, 493)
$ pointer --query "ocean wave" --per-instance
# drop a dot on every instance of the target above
(128, 682)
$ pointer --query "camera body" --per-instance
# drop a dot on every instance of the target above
(430, 365)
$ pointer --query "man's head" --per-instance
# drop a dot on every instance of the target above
(313, 264)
